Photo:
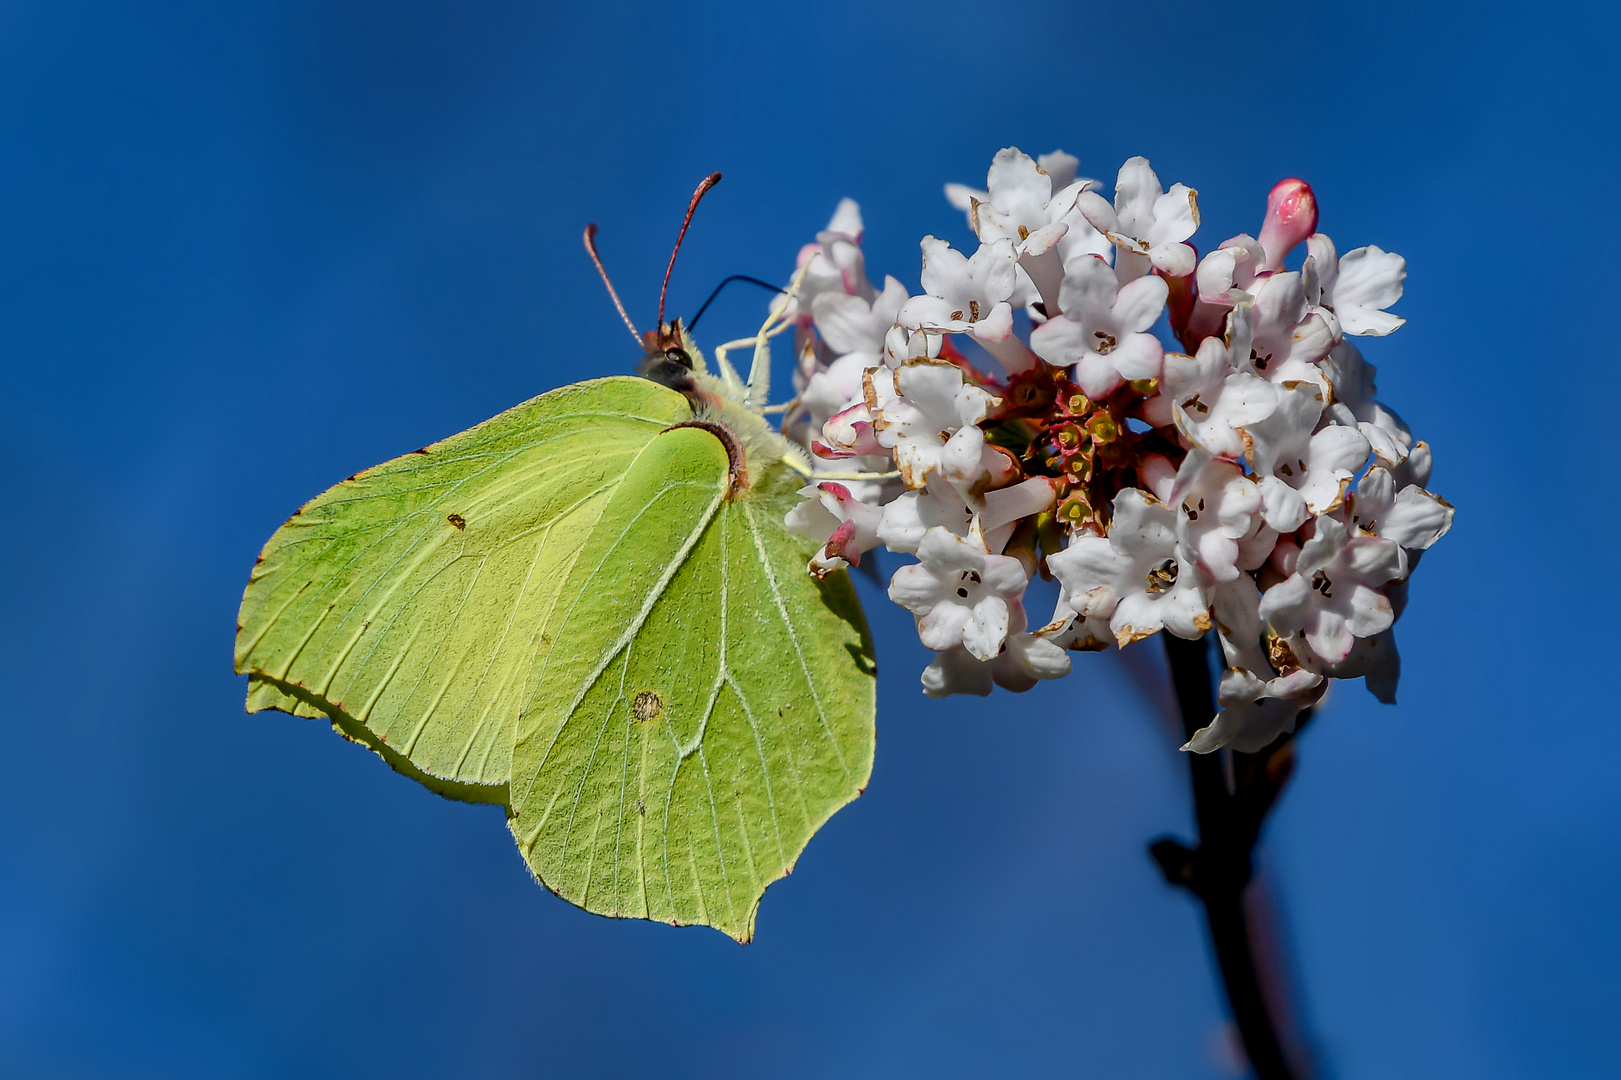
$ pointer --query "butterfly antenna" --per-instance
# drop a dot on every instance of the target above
(591, 248)
(693, 322)
(692, 207)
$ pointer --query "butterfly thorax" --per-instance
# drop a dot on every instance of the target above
(764, 452)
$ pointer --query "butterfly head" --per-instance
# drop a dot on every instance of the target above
(671, 358)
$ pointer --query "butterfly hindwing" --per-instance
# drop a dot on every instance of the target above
(408, 603)
(706, 705)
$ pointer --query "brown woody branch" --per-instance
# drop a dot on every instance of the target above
(1219, 868)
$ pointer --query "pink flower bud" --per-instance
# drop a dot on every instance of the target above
(840, 494)
(843, 544)
(848, 434)
(1291, 216)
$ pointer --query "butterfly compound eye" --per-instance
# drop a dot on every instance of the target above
(672, 368)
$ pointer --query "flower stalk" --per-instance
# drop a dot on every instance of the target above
(1218, 870)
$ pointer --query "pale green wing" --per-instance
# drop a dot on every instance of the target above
(706, 704)
(408, 603)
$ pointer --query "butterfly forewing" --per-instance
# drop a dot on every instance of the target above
(409, 602)
(705, 706)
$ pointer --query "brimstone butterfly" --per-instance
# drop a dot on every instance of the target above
(588, 609)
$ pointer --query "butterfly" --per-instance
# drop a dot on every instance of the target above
(588, 609)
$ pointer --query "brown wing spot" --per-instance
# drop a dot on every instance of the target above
(456, 520)
(647, 706)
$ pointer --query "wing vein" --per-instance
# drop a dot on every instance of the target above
(635, 626)
(799, 653)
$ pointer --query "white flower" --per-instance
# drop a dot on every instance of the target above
(829, 391)
(1157, 474)
(1255, 711)
(1255, 549)
(1287, 340)
(969, 295)
(1352, 292)
(1032, 204)
(1025, 658)
(1375, 659)
(957, 671)
(1017, 204)
(965, 294)
(1211, 401)
(834, 263)
(1223, 281)
(1020, 196)
(1070, 629)
(1258, 702)
(1103, 331)
(854, 328)
(1301, 471)
(913, 513)
(902, 345)
(1233, 606)
(928, 416)
(1138, 577)
(960, 593)
(1335, 594)
(1416, 469)
(1216, 506)
(1225, 276)
(1351, 379)
(1059, 167)
(846, 526)
(1147, 223)
(1412, 517)
(1003, 507)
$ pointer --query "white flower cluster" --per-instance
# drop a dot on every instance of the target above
(1247, 482)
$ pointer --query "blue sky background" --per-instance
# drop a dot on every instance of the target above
(247, 249)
